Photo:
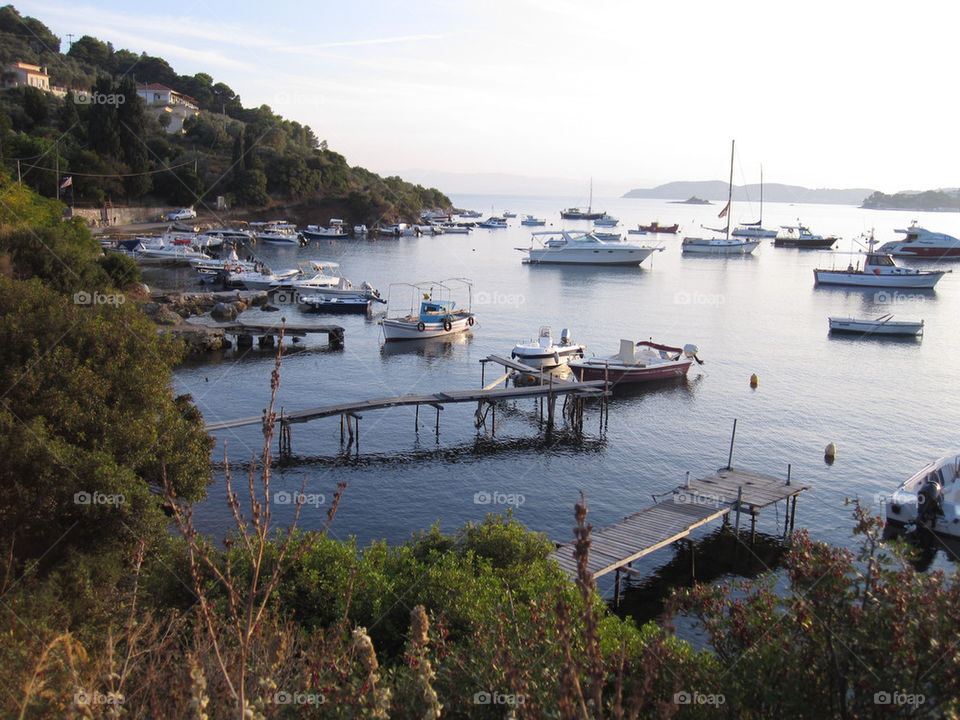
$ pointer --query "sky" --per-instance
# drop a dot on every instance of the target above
(629, 93)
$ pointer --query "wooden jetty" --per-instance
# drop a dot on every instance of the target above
(695, 503)
(244, 330)
(485, 397)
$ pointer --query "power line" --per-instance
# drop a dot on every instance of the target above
(110, 175)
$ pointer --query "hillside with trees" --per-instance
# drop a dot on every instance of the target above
(928, 200)
(119, 153)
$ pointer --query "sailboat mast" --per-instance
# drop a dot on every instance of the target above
(590, 203)
(761, 198)
(730, 191)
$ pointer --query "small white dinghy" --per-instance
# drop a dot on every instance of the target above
(930, 497)
(883, 325)
(545, 353)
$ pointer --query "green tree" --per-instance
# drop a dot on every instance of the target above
(92, 51)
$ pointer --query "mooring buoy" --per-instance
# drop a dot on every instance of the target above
(754, 380)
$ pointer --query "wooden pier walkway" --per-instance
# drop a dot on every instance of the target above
(244, 330)
(695, 503)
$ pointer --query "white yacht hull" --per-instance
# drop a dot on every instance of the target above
(925, 280)
(413, 329)
(589, 256)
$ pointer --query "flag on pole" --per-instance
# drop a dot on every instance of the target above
(67, 182)
(723, 212)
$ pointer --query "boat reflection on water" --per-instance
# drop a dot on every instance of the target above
(924, 543)
(430, 347)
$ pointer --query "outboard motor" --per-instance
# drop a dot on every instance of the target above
(565, 337)
(691, 351)
(929, 502)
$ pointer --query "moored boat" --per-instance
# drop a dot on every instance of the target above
(929, 498)
(532, 221)
(583, 249)
(656, 227)
(545, 353)
(497, 223)
(606, 221)
(326, 303)
(336, 229)
(434, 317)
(637, 362)
(921, 243)
(799, 236)
(883, 325)
(879, 270)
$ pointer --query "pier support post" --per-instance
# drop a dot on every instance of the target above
(438, 422)
(753, 527)
(733, 436)
(616, 590)
(416, 418)
(244, 340)
(265, 341)
(739, 497)
(793, 512)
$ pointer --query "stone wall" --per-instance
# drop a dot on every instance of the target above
(97, 217)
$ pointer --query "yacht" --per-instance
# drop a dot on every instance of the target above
(921, 243)
(561, 246)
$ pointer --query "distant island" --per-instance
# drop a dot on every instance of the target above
(942, 200)
(693, 200)
(772, 192)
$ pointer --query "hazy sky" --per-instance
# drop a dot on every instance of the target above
(632, 93)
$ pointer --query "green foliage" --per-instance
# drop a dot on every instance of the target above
(927, 200)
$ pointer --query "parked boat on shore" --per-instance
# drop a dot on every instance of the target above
(637, 362)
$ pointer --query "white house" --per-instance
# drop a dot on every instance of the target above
(162, 100)
(21, 73)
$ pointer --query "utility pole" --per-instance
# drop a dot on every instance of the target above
(19, 181)
(70, 40)
(56, 150)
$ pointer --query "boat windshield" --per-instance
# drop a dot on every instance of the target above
(880, 260)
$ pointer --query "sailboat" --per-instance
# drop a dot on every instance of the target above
(725, 245)
(578, 213)
(755, 229)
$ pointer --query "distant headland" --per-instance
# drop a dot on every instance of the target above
(772, 192)
(692, 200)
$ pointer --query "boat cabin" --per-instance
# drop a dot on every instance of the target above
(431, 309)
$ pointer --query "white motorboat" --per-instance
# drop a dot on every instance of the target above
(260, 278)
(725, 245)
(583, 249)
(360, 230)
(929, 498)
(399, 230)
(878, 270)
(323, 277)
(470, 214)
(496, 223)
(455, 229)
(545, 353)
(921, 243)
(606, 221)
(637, 362)
(883, 325)
(167, 251)
(276, 232)
(532, 221)
(224, 235)
(435, 316)
(210, 266)
(336, 229)
(509, 214)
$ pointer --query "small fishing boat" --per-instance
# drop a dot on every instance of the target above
(798, 236)
(455, 229)
(637, 362)
(879, 270)
(929, 498)
(607, 236)
(545, 353)
(498, 223)
(509, 214)
(436, 316)
(260, 278)
(883, 325)
(606, 221)
(530, 220)
(211, 267)
(656, 227)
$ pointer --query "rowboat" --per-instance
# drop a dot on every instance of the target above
(637, 362)
(883, 325)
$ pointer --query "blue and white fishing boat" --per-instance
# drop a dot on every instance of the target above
(494, 223)
(436, 316)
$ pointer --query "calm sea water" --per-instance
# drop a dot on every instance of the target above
(887, 404)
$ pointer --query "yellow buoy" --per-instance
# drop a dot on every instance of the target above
(830, 451)
(754, 380)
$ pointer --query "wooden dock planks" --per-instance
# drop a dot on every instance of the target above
(695, 504)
